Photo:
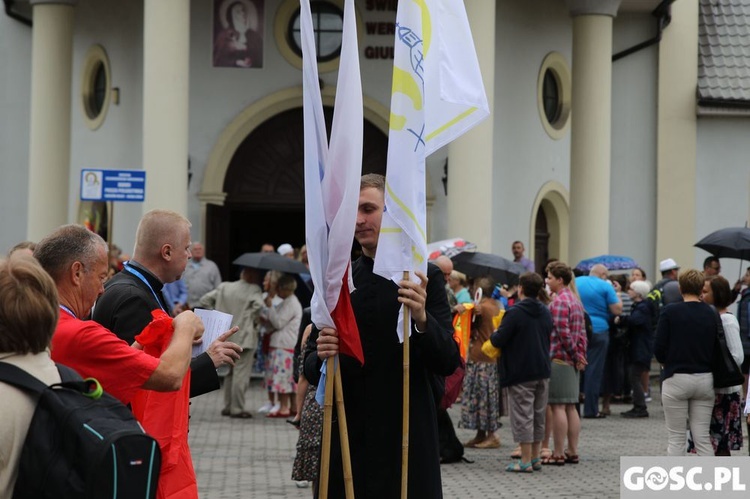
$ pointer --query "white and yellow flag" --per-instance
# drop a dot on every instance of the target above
(437, 95)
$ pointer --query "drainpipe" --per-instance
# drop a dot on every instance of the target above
(13, 15)
(663, 14)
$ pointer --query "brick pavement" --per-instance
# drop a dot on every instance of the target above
(252, 458)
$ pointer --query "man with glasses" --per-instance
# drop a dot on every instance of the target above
(711, 266)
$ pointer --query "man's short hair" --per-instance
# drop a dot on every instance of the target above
(28, 305)
(517, 242)
(721, 291)
(559, 270)
(286, 282)
(709, 260)
(156, 228)
(530, 283)
(375, 180)
(691, 282)
(67, 245)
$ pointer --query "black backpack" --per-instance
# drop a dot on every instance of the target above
(656, 301)
(82, 443)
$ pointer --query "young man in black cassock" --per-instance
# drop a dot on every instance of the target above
(373, 391)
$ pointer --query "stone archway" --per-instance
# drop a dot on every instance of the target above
(550, 224)
(253, 190)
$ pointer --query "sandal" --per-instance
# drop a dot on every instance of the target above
(545, 453)
(516, 454)
(536, 464)
(571, 458)
(554, 460)
(520, 467)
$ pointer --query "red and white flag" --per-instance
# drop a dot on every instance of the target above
(332, 176)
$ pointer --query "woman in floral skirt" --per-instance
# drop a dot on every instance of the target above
(481, 407)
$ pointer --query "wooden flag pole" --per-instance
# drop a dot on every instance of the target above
(325, 450)
(343, 435)
(405, 431)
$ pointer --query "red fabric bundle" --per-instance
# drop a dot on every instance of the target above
(164, 415)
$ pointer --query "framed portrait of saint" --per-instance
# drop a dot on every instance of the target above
(238, 33)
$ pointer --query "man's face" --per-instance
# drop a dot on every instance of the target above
(713, 268)
(197, 251)
(267, 248)
(369, 217)
(746, 278)
(93, 278)
(517, 250)
(180, 253)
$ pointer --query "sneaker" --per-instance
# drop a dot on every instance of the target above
(276, 408)
(302, 484)
(647, 397)
(635, 413)
(266, 408)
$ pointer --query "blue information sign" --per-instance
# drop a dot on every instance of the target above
(113, 185)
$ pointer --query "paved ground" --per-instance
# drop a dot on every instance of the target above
(252, 458)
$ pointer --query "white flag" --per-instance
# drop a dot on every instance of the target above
(332, 177)
(437, 95)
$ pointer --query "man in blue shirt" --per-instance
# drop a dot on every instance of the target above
(599, 300)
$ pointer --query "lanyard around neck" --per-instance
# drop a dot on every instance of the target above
(63, 307)
(140, 276)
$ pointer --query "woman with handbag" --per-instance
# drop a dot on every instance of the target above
(684, 345)
(726, 421)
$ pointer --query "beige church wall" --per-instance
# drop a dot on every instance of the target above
(117, 144)
(15, 87)
(632, 229)
(722, 195)
(525, 156)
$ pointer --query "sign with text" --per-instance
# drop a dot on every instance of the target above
(113, 185)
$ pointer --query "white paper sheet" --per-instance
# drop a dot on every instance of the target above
(215, 323)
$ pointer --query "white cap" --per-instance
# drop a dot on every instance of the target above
(285, 249)
(667, 265)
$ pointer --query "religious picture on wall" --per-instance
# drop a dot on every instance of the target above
(238, 33)
(95, 216)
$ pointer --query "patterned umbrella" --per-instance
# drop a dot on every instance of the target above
(449, 247)
(612, 262)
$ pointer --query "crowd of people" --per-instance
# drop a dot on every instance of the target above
(566, 347)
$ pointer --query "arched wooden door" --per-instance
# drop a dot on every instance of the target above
(265, 188)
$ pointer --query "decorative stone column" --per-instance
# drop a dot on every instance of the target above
(49, 136)
(676, 137)
(166, 64)
(475, 148)
(591, 127)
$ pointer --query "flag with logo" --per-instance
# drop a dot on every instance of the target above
(332, 175)
(437, 95)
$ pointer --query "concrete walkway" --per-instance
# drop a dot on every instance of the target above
(236, 458)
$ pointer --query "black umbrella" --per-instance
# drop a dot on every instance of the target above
(271, 261)
(479, 264)
(732, 242)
